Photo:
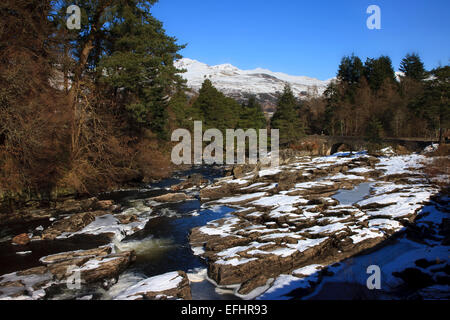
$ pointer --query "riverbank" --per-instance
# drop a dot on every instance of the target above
(268, 233)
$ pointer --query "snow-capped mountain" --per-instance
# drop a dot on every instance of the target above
(240, 84)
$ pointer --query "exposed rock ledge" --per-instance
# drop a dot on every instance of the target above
(89, 266)
(110, 222)
(286, 219)
(168, 286)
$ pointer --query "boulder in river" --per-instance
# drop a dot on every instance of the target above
(194, 180)
(106, 267)
(171, 285)
(88, 266)
(216, 191)
(21, 239)
(73, 223)
(64, 256)
(172, 197)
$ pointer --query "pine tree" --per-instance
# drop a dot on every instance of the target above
(350, 70)
(413, 67)
(252, 116)
(332, 97)
(180, 109)
(286, 118)
(435, 100)
(140, 64)
(379, 70)
(123, 54)
(215, 109)
(122, 74)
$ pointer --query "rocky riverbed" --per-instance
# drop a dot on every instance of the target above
(268, 233)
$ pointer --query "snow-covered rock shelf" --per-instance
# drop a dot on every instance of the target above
(290, 231)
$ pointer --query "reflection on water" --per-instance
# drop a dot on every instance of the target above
(172, 235)
(163, 245)
(207, 291)
(9, 230)
(349, 197)
(347, 291)
(11, 261)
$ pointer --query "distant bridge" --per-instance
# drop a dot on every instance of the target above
(326, 145)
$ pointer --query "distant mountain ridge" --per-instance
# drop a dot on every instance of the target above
(240, 84)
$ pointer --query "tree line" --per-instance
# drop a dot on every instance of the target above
(370, 99)
(88, 110)
(83, 110)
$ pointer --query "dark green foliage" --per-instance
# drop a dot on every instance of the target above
(413, 67)
(332, 98)
(414, 106)
(252, 116)
(435, 100)
(179, 107)
(215, 109)
(134, 58)
(286, 118)
(374, 131)
(379, 70)
(350, 70)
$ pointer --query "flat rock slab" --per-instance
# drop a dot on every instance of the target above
(172, 197)
(297, 223)
(73, 223)
(85, 266)
(172, 285)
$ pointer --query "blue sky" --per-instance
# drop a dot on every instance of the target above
(306, 37)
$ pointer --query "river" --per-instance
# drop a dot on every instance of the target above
(163, 246)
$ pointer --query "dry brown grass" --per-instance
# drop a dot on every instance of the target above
(438, 170)
(152, 160)
(442, 151)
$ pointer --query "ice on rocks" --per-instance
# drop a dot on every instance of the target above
(159, 283)
(305, 221)
(241, 198)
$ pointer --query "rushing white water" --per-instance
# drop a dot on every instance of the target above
(149, 248)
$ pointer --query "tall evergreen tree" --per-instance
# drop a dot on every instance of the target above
(350, 70)
(123, 48)
(374, 134)
(140, 63)
(333, 100)
(286, 118)
(215, 109)
(413, 67)
(378, 70)
(180, 109)
(252, 116)
(435, 101)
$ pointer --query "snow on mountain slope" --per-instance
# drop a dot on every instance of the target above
(239, 84)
